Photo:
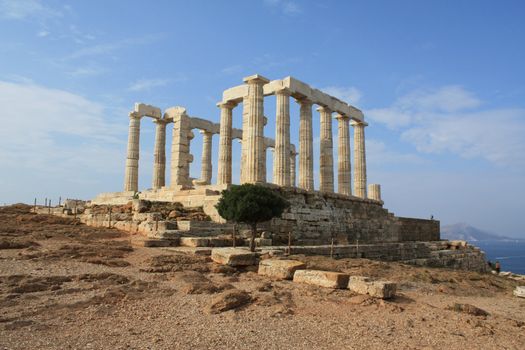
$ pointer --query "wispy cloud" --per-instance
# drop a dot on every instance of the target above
(108, 48)
(42, 34)
(86, 72)
(349, 94)
(232, 69)
(450, 119)
(23, 9)
(56, 136)
(147, 84)
(287, 7)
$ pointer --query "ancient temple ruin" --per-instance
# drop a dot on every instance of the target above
(349, 221)
(349, 213)
(254, 144)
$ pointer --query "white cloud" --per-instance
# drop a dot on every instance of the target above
(348, 94)
(232, 69)
(147, 84)
(449, 119)
(291, 8)
(23, 9)
(54, 131)
(86, 72)
(288, 7)
(106, 49)
(42, 34)
(496, 135)
(379, 154)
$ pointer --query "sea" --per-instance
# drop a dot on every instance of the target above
(510, 254)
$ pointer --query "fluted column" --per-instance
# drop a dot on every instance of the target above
(374, 192)
(131, 176)
(253, 131)
(359, 159)
(306, 163)
(224, 175)
(206, 166)
(293, 155)
(180, 151)
(343, 156)
(326, 173)
(281, 165)
(159, 155)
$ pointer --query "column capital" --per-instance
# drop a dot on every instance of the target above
(324, 109)
(354, 123)
(341, 117)
(134, 115)
(160, 121)
(205, 132)
(227, 104)
(256, 79)
(283, 91)
(304, 101)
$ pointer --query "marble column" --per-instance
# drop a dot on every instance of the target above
(281, 165)
(306, 163)
(293, 156)
(159, 155)
(326, 173)
(131, 176)
(359, 159)
(180, 151)
(253, 131)
(344, 185)
(374, 192)
(206, 166)
(224, 175)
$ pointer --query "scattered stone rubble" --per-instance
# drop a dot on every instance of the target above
(519, 291)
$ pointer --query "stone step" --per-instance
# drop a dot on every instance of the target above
(154, 243)
(212, 241)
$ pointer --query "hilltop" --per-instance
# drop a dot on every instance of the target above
(465, 232)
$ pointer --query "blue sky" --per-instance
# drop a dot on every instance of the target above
(441, 84)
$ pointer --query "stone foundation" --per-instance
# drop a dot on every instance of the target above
(315, 218)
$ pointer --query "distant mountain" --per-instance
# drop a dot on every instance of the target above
(469, 233)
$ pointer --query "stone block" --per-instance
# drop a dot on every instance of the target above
(194, 242)
(520, 291)
(280, 269)
(233, 256)
(326, 279)
(376, 289)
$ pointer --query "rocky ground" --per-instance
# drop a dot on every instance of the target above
(64, 285)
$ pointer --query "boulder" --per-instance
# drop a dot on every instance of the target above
(468, 309)
(228, 300)
(280, 269)
(520, 291)
(376, 289)
(326, 279)
(233, 256)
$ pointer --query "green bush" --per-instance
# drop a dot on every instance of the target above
(250, 204)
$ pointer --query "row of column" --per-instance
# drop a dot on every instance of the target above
(253, 171)
(253, 168)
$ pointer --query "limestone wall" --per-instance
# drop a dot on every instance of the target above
(411, 229)
(314, 218)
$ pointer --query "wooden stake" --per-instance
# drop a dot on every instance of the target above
(35, 205)
(332, 249)
(109, 209)
(156, 224)
(233, 234)
(59, 201)
(289, 242)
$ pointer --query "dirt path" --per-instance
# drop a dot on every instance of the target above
(67, 286)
